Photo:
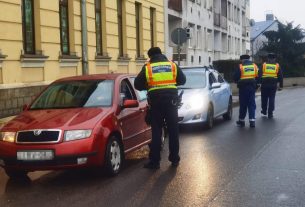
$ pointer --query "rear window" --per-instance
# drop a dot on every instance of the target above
(194, 79)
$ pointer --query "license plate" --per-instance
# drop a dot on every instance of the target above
(35, 155)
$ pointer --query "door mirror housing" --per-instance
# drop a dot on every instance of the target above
(130, 103)
(215, 85)
(25, 107)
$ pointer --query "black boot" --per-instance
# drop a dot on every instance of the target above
(152, 165)
(240, 123)
(252, 124)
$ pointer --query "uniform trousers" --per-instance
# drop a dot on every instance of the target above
(247, 102)
(162, 110)
(268, 99)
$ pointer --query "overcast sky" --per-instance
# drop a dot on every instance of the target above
(284, 10)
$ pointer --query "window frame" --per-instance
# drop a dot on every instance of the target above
(152, 14)
(25, 44)
(64, 3)
(98, 29)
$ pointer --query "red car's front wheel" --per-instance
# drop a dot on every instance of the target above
(114, 156)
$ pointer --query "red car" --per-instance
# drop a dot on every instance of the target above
(80, 121)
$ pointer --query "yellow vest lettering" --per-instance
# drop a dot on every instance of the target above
(161, 75)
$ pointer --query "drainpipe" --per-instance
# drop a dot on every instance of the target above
(84, 38)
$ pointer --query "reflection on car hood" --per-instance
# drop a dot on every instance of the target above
(188, 93)
(54, 119)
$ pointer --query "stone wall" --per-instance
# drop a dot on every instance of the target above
(13, 99)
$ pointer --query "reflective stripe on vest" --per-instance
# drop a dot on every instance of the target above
(161, 75)
(248, 71)
(270, 70)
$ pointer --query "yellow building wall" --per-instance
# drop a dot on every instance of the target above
(11, 39)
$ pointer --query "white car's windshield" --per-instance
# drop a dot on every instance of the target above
(194, 79)
(75, 94)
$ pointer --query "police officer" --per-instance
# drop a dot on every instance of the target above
(269, 76)
(245, 77)
(161, 77)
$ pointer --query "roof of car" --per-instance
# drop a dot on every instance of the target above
(108, 76)
(196, 68)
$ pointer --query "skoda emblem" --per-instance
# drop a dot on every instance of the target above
(37, 132)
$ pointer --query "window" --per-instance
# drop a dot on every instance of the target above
(126, 92)
(138, 8)
(98, 27)
(218, 77)
(28, 26)
(152, 26)
(142, 94)
(120, 27)
(64, 27)
(212, 79)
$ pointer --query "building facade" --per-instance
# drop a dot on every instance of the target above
(41, 41)
(257, 34)
(219, 29)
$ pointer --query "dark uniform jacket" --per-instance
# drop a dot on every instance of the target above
(141, 82)
(271, 82)
(246, 82)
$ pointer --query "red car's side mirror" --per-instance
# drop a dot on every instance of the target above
(130, 103)
(25, 107)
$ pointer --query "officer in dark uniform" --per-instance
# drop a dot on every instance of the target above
(245, 77)
(160, 78)
(270, 75)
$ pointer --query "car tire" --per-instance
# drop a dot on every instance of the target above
(210, 118)
(16, 174)
(114, 156)
(228, 114)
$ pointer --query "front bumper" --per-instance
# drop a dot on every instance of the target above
(189, 117)
(66, 155)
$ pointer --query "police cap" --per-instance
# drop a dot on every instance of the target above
(244, 57)
(271, 56)
(154, 51)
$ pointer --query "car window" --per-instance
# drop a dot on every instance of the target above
(73, 94)
(212, 79)
(194, 79)
(218, 77)
(142, 94)
(126, 91)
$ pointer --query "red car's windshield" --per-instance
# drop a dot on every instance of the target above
(75, 94)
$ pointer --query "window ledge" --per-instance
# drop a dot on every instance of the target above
(141, 60)
(102, 60)
(68, 60)
(33, 61)
(124, 60)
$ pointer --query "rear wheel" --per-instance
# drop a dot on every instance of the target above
(16, 174)
(114, 156)
(228, 114)
(210, 118)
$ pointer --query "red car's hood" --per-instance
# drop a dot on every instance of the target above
(56, 118)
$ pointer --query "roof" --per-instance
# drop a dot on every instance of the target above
(110, 76)
(260, 27)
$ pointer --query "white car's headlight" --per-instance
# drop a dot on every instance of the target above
(196, 102)
(77, 134)
(8, 136)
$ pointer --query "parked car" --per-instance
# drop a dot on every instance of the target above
(206, 96)
(80, 121)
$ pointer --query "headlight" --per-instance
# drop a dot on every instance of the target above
(8, 136)
(77, 134)
(196, 102)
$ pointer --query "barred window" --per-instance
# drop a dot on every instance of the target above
(64, 27)
(28, 26)
(98, 27)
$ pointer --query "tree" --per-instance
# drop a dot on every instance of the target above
(289, 46)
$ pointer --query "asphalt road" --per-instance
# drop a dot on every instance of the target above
(225, 166)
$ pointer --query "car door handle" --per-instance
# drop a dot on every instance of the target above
(142, 110)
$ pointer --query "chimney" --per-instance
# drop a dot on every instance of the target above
(269, 17)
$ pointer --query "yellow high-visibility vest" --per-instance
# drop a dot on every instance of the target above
(270, 70)
(161, 75)
(248, 71)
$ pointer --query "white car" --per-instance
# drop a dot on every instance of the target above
(206, 95)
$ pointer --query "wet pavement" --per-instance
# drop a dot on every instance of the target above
(225, 166)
